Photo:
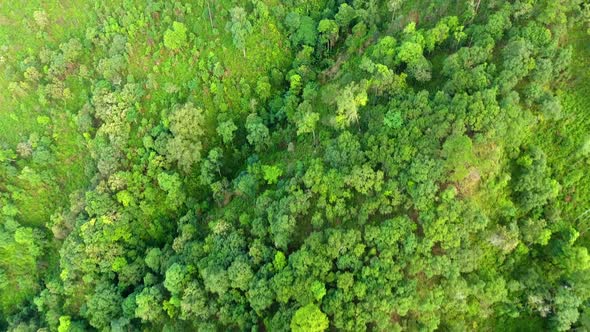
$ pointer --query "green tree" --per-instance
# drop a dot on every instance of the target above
(350, 99)
(305, 119)
(226, 131)
(258, 134)
(271, 173)
(104, 306)
(346, 14)
(533, 185)
(309, 319)
(240, 274)
(175, 38)
(240, 27)
(328, 30)
(186, 126)
(175, 278)
(149, 304)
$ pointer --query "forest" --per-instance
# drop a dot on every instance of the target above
(294, 165)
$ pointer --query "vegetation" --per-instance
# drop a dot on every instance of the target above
(266, 165)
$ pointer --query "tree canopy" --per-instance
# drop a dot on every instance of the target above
(295, 165)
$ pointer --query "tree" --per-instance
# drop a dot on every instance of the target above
(153, 259)
(394, 6)
(240, 273)
(65, 323)
(280, 261)
(260, 295)
(41, 19)
(194, 304)
(393, 119)
(149, 304)
(348, 102)
(172, 185)
(186, 125)
(271, 173)
(328, 30)
(411, 53)
(532, 183)
(302, 28)
(318, 290)
(240, 27)
(175, 38)
(104, 306)
(309, 319)
(258, 133)
(384, 51)
(199, 214)
(282, 228)
(226, 130)
(263, 88)
(420, 69)
(346, 14)
(307, 122)
(176, 277)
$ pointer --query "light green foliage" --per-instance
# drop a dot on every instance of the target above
(347, 105)
(532, 184)
(240, 274)
(271, 173)
(64, 324)
(20, 248)
(309, 318)
(279, 260)
(263, 88)
(172, 185)
(240, 27)
(318, 289)
(303, 29)
(393, 120)
(153, 258)
(328, 30)
(175, 38)
(306, 119)
(226, 130)
(175, 278)
(186, 126)
(385, 50)
(409, 52)
(458, 152)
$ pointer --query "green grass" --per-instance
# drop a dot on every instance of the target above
(36, 201)
(19, 273)
(567, 141)
(18, 113)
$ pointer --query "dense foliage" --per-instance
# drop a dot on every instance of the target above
(300, 165)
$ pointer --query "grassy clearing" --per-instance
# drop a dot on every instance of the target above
(567, 141)
(25, 29)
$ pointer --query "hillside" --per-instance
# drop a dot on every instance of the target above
(266, 165)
